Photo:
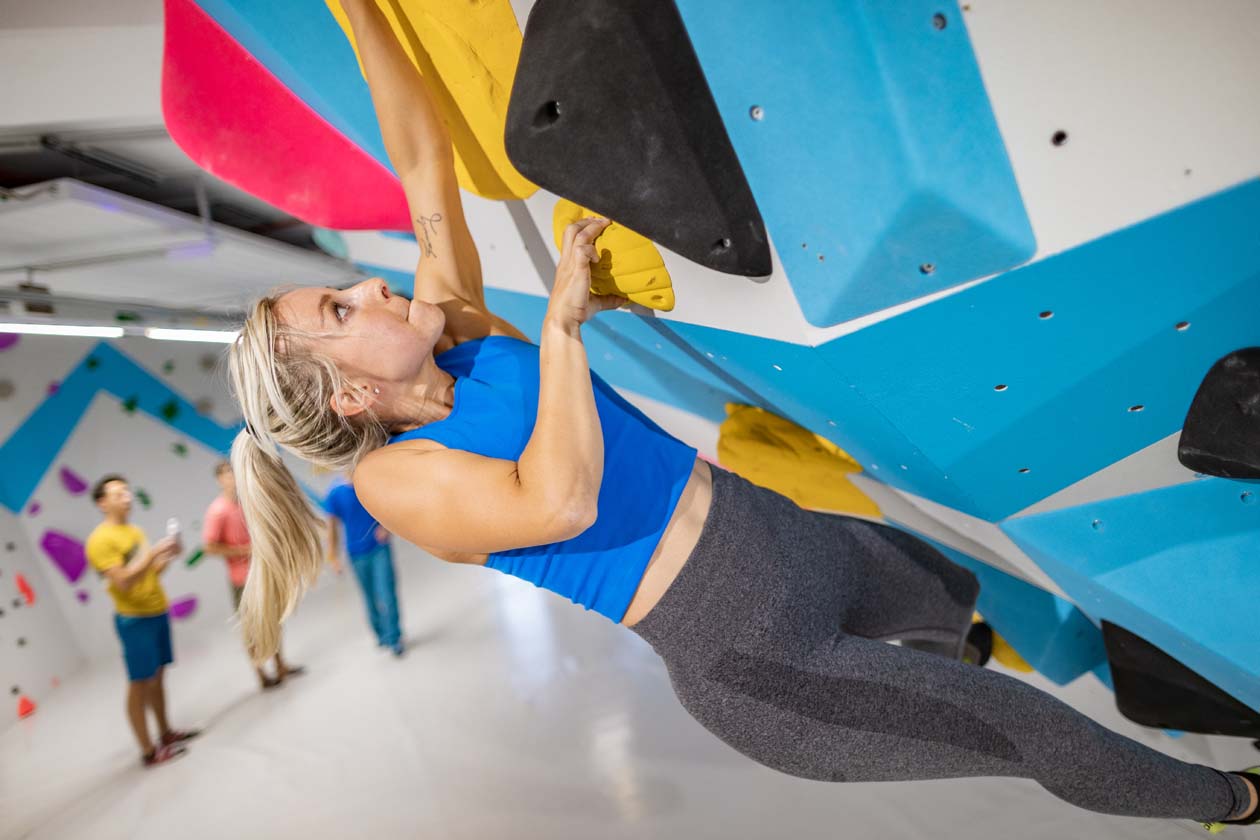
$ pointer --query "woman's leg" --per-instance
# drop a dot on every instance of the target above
(857, 710)
(763, 635)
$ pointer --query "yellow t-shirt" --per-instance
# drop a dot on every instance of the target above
(114, 545)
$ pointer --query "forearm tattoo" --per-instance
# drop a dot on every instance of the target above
(428, 229)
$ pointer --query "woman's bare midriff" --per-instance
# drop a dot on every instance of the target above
(680, 537)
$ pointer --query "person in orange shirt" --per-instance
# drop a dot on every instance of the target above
(224, 533)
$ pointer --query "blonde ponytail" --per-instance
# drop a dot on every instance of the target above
(285, 393)
(284, 543)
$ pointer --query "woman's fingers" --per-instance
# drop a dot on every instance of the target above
(582, 231)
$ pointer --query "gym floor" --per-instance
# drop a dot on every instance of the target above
(513, 715)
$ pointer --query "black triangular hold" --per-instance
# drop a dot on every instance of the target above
(1156, 690)
(1221, 435)
(611, 110)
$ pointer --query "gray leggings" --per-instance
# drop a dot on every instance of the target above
(770, 636)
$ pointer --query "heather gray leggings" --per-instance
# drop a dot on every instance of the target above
(769, 634)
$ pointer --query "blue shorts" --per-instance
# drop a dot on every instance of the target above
(146, 643)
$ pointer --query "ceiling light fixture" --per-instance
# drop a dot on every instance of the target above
(63, 329)
(216, 336)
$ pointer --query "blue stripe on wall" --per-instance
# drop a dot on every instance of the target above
(32, 448)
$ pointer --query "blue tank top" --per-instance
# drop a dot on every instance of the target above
(645, 471)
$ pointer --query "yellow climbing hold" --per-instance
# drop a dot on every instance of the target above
(1008, 656)
(1004, 653)
(629, 264)
(467, 53)
(778, 454)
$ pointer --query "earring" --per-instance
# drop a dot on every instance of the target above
(376, 390)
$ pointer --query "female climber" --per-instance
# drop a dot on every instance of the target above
(483, 448)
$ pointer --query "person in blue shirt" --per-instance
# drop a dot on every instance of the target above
(372, 558)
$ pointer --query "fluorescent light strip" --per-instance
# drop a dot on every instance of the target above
(63, 329)
(217, 336)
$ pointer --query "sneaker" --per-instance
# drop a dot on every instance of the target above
(162, 754)
(176, 736)
(1253, 776)
(398, 649)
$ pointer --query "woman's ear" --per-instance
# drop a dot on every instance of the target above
(348, 402)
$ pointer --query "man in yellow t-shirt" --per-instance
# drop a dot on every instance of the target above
(119, 552)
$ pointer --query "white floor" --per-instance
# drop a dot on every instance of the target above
(514, 715)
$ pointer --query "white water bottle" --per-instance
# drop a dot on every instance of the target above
(172, 531)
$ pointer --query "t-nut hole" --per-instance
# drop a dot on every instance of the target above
(548, 114)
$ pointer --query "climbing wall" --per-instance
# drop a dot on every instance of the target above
(37, 647)
(157, 412)
(999, 267)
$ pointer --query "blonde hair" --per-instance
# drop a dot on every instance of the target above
(285, 391)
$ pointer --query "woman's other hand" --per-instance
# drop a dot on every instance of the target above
(572, 302)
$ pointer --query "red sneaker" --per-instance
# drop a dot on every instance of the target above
(176, 736)
(162, 754)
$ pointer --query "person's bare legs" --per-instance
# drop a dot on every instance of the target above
(283, 670)
(137, 693)
(157, 702)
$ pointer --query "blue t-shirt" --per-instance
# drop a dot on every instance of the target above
(645, 471)
(360, 527)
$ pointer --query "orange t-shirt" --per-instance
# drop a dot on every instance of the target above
(225, 523)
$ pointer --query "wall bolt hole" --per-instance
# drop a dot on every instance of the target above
(548, 114)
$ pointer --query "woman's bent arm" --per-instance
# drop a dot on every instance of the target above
(458, 501)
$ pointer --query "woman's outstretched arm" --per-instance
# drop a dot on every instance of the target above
(419, 147)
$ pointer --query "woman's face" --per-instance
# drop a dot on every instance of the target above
(373, 335)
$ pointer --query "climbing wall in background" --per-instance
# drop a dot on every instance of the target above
(157, 412)
(37, 648)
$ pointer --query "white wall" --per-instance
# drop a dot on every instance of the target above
(37, 650)
(71, 622)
